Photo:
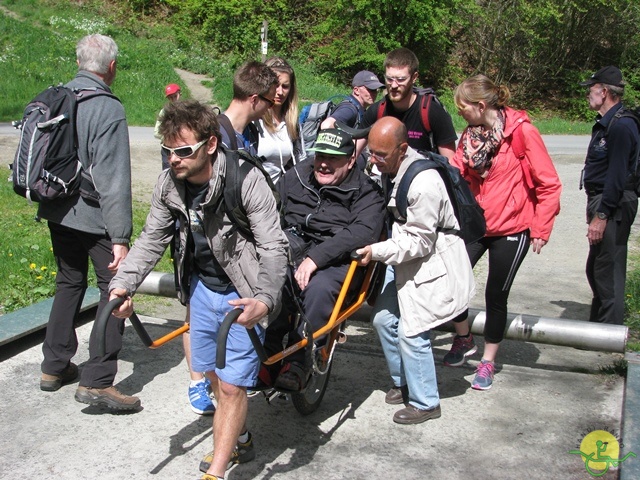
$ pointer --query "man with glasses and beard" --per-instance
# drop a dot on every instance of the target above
(404, 102)
(218, 267)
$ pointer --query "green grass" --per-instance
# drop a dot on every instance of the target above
(632, 302)
(27, 264)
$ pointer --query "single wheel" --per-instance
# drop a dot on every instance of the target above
(308, 401)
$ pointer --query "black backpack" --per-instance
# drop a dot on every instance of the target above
(469, 214)
(633, 179)
(232, 192)
(46, 165)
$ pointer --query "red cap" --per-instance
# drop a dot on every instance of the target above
(171, 89)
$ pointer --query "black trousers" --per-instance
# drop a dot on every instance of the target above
(72, 249)
(317, 301)
(607, 261)
(505, 257)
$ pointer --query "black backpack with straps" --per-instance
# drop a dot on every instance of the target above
(46, 165)
(469, 214)
(232, 193)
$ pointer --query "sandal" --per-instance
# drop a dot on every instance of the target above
(293, 377)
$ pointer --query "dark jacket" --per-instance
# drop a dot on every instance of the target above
(609, 158)
(338, 218)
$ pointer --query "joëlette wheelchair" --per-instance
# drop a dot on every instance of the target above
(308, 399)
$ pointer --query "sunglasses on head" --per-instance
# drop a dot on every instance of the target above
(185, 151)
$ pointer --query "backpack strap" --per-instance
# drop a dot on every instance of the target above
(358, 107)
(225, 123)
(517, 144)
(382, 107)
(232, 192)
(424, 112)
(402, 202)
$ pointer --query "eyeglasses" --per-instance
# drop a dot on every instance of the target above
(268, 100)
(185, 151)
(398, 80)
(380, 159)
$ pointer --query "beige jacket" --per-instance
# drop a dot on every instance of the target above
(432, 269)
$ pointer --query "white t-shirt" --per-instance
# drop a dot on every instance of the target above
(277, 150)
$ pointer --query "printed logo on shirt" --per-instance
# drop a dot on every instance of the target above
(195, 223)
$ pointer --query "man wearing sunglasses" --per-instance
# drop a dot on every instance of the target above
(405, 103)
(254, 88)
(218, 268)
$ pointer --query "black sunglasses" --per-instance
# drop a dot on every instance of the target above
(270, 102)
(183, 152)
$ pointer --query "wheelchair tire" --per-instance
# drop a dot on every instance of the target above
(308, 401)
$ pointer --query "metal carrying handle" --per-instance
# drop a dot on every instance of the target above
(103, 319)
(223, 333)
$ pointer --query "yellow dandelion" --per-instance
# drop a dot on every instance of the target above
(43, 268)
(11, 254)
(32, 266)
(53, 274)
(39, 277)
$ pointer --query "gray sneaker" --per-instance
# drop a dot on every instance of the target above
(109, 397)
(484, 375)
(460, 350)
(243, 453)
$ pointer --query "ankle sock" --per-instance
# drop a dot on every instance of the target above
(196, 382)
(244, 437)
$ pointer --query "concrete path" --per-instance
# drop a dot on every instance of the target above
(545, 399)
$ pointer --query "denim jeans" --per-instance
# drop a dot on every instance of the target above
(410, 359)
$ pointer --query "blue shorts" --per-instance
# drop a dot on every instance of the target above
(207, 310)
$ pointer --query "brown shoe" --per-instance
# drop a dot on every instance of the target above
(52, 383)
(109, 397)
(411, 415)
(397, 395)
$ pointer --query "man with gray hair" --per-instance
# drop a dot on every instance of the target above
(609, 181)
(84, 228)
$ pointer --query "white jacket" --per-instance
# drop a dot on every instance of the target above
(432, 269)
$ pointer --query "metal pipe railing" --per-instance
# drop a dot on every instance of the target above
(523, 327)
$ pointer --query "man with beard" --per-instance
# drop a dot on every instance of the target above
(218, 268)
(405, 103)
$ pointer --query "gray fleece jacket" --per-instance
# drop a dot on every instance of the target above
(256, 266)
(103, 139)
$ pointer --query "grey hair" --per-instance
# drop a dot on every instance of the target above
(615, 90)
(95, 53)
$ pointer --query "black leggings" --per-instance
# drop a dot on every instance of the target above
(505, 257)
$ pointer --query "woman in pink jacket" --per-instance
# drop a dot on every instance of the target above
(504, 159)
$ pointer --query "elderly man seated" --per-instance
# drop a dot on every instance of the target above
(330, 208)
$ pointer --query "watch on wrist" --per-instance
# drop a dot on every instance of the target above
(602, 215)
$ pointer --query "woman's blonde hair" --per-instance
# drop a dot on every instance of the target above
(290, 105)
(479, 88)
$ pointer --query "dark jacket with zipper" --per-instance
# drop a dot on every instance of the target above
(337, 218)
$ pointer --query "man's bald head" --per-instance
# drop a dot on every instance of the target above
(388, 144)
(389, 126)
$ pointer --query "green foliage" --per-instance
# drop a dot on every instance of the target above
(27, 265)
(36, 55)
